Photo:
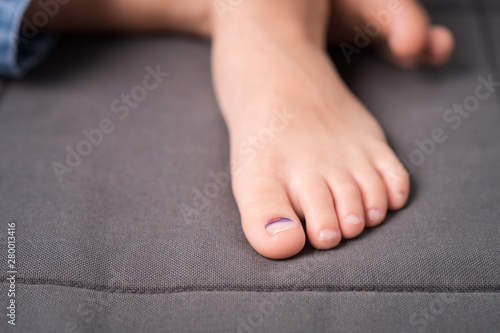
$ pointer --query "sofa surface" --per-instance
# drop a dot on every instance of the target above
(128, 241)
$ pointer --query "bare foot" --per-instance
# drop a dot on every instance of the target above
(302, 146)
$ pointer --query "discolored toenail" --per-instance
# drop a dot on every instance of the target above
(279, 224)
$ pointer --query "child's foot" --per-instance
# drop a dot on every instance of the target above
(302, 146)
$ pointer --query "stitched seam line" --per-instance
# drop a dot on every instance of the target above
(164, 290)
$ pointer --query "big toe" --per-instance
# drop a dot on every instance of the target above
(407, 32)
(268, 218)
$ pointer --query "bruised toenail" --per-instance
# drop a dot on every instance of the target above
(279, 224)
(375, 215)
(328, 234)
(353, 219)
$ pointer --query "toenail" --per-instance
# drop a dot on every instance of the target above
(375, 215)
(328, 234)
(353, 219)
(279, 224)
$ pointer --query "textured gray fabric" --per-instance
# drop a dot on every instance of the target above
(114, 228)
(49, 308)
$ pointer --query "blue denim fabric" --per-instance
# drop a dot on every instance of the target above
(21, 50)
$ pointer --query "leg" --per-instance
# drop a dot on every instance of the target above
(191, 16)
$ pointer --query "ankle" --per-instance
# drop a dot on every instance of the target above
(286, 21)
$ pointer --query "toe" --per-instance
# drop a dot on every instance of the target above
(348, 203)
(408, 31)
(268, 219)
(373, 193)
(439, 47)
(395, 178)
(404, 37)
(316, 202)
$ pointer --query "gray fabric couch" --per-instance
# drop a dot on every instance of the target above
(128, 242)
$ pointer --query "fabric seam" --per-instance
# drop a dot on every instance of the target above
(163, 290)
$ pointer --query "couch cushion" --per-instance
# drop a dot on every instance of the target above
(127, 239)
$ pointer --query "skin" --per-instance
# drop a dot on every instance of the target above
(327, 162)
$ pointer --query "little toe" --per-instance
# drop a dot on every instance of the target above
(395, 178)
